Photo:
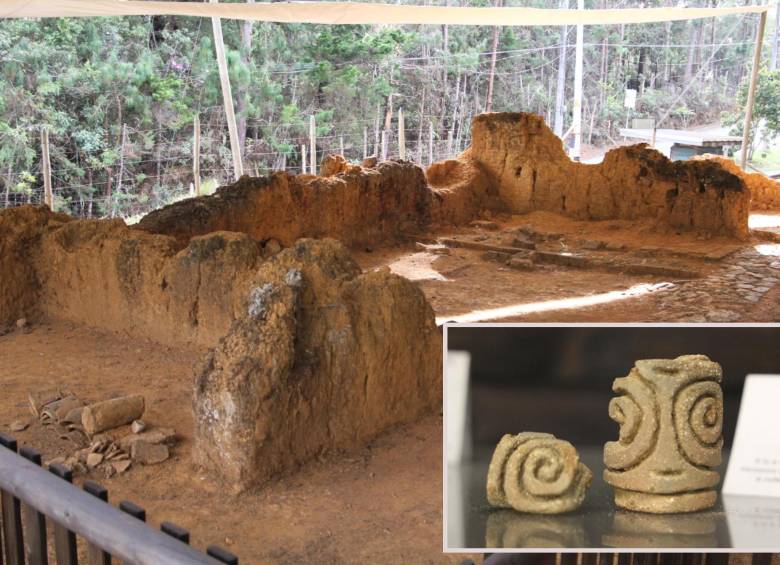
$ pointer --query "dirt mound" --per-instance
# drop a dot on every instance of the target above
(324, 358)
(357, 206)
(21, 230)
(764, 192)
(526, 162)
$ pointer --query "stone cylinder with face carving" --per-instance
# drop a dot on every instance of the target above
(670, 413)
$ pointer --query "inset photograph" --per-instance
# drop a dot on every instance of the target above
(611, 436)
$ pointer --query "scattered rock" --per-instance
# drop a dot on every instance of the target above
(108, 471)
(148, 453)
(592, 245)
(137, 426)
(22, 323)
(18, 426)
(121, 466)
(73, 417)
(612, 246)
(723, 316)
(484, 225)
(94, 459)
(498, 256)
(272, 247)
(158, 435)
(55, 461)
(65, 407)
(521, 263)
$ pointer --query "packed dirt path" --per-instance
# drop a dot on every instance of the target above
(379, 505)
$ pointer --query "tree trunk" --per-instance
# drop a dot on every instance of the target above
(242, 92)
(491, 76)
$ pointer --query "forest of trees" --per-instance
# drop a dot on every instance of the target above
(119, 95)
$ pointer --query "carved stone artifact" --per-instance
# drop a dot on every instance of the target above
(670, 413)
(535, 472)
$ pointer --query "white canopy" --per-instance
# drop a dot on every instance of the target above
(358, 13)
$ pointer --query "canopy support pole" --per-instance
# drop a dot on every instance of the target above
(227, 96)
(577, 110)
(752, 91)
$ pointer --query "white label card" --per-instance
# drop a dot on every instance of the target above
(754, 465)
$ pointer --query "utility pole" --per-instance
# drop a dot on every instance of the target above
(227, 96)
(577, 110)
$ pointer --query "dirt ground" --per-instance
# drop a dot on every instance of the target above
(380, 505)
(383, 504)
(735, 281)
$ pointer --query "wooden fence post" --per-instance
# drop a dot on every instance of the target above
(313, 144)
(48, 195)
(227, 96)
(341, 145)
(303, 158)
(401, 135)
(384, 145)
(196, 154)
(123, 136)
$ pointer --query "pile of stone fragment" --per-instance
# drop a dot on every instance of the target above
(110, 435)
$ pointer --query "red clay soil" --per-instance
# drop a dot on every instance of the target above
(379, 504)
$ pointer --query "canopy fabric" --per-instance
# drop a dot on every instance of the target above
(357, 13)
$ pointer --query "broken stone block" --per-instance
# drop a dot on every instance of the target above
(149, 453)
(137, 426)
(65, 407)
(537, 473)
(73, 417)
(670, 413)
(521, 263)
(112, 413)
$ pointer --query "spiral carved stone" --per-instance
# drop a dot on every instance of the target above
(670, 413)
(535, 472)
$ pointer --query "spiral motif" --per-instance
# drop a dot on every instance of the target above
(537, 473)
(636, 411)
(698, 421)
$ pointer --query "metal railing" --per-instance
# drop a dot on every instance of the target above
(31, 496)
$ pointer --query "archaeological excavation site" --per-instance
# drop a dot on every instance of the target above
(284, 334)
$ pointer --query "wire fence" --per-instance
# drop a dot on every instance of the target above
(154, 167)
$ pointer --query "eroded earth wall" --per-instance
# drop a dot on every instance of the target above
(764, 191)
(324, 358)
(526, 161)
(309, 353)
(359, 207)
